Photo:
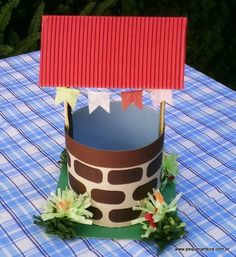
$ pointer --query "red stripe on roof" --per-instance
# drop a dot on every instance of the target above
(113, 52)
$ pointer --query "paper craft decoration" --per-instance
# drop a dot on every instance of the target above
(68, 95)
(113, 52)
(117, 161)
(114, 154)
(159, 95)
(132, 97)
(128, 232)
(96, 99)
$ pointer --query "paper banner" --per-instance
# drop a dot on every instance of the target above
(96, 99)
(159, 95)
(130, 97)
(67, 94)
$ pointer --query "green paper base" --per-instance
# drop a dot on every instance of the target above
(130, 232)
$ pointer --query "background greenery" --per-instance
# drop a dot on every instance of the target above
(211, 28)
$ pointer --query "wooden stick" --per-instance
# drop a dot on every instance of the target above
(162, 118)
(67, 123)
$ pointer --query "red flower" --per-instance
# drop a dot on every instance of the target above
(170, 178)
(149, 218)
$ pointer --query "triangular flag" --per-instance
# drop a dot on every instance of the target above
(159, 95)
(132, 97)
(67, 94)
(96, 99)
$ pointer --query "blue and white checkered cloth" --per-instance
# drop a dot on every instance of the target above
(200, 127)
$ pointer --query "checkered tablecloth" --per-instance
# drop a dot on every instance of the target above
(200, 127)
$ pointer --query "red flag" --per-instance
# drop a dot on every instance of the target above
(132, 97)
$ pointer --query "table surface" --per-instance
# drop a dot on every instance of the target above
(200, 127)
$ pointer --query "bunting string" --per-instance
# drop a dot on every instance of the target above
(102, 99)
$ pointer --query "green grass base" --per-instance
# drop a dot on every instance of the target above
(94, 231)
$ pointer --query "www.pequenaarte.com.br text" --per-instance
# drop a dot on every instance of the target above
(198, 249)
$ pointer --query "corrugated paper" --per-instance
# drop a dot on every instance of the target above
(113, 52)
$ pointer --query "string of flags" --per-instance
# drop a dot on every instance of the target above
(102, 99)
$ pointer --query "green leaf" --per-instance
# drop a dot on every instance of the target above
(88, 8)
(170, 165)
(169, 229)
(128, 7)
(6, 12)
(61, 227)
(5, 50)
(63, 158)
(26, 44)
(102, 7)
(13, 38)
(35, 23)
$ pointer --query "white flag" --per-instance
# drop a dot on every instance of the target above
(96, 99)
(159, 95)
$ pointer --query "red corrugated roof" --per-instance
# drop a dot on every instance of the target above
(113, 52)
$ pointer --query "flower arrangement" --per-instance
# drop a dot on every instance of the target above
(62, 210)
(160, 221)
